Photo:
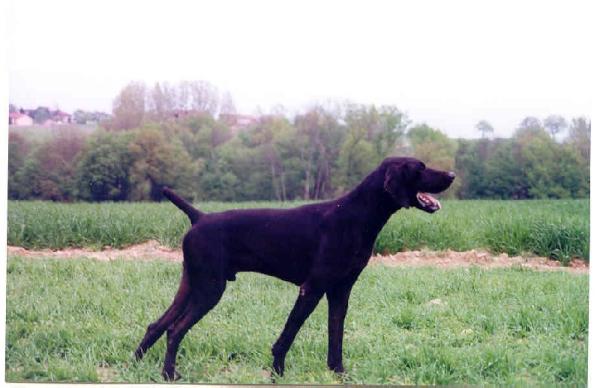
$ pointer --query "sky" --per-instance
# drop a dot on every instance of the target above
(449, 64)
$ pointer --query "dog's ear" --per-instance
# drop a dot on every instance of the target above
(398, 180)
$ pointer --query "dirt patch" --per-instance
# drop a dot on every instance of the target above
(152, 250)
(452, 259)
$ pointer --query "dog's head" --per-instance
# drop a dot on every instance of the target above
(410, 183)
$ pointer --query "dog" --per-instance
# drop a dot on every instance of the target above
(321, 247)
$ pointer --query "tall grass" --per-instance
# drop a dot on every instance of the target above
(80, 320)
(554, 228)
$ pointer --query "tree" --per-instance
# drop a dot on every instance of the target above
(489, 169)
(579, 140)
(319, 137)
(204, 96)
(555, 124)
(18, 150)
(40, 114)
(27, 182)
(382, 126)
(551, 169)
(103, 168)
(503, 174)
(529, 123)
(162, 100)
(80, 117)
(158, 162)
(529, 128)
(49, 172)
(85, 117)
(484, 127)
(580, 137)
(227, 105)
(372, 134)
(129, 107)
(390, 129)
(432, 146)
(263, 139)
(435, 149)
(249, 164)
(469, 162)
(357, 158)
(200, 134)
(287, 145)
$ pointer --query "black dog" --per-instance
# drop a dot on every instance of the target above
(320, 247)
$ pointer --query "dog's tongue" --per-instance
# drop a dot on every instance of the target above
(429, 201)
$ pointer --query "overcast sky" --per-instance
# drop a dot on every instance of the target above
(448, 63)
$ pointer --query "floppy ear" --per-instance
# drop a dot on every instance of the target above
(397, 182)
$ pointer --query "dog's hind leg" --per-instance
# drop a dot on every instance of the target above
(156, 329)
(206, 294)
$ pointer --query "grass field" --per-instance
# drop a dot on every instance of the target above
(553, 228)
(80, 320)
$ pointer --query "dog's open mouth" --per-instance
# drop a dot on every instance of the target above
(428, 202)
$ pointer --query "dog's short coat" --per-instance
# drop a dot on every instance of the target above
(320, 247)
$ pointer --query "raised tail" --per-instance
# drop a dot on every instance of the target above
(193, 213)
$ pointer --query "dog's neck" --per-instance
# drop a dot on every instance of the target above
(373, 205)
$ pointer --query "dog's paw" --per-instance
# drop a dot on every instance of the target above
(171, 375)
(139, 354)
(278, 367)
(339, 369)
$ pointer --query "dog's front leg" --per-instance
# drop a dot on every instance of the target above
(337, 299)
(305, 304)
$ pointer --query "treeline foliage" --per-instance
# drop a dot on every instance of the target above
(531, 164)
(169, 136)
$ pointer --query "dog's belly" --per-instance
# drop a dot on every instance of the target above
(282, 264)
(296, 278)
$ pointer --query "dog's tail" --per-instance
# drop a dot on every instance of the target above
(193, 213)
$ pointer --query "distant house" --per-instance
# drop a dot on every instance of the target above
(19, 119)
(238, 122)
(57, 117)
(28, 112)
(60, 117)
(39, 116)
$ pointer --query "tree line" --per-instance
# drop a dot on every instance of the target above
(177, 135)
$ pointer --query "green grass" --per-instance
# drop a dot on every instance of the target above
(558, 229)
(80, 320)
(553, 228)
